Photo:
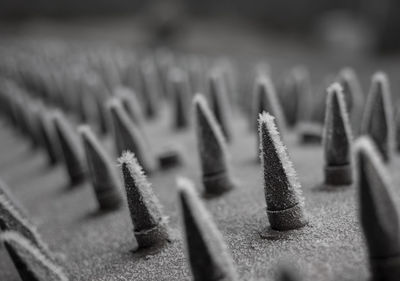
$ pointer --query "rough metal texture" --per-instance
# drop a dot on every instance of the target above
(150, 226)
(282, 189)
(106, 184)
(207, 252)
(212, 150)
(378, 212)
(378, 116)
(337, 140)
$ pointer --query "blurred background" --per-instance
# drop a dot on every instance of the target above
(348, 25)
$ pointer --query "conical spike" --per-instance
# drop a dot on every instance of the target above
(265, 99)
(220, 104)
(47, 130)
(212, 150)
(207, 252)
(297, 96)
(71, 148)
(353, 96)
(150, 226)
(378, 212)
(180, 94)
(13, 218)
(31, 263)
(337, 140)
(378, 116)
(103, 176)
(131, 105)
(128, 137)
(283, 195)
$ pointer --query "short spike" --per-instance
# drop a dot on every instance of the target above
(128, 137)
(337, 140)
(378, 212)
(378, 116)
(150, 226)
(102, 173)
(220, 103)
(212, 150)
(30, 262)
(207, 252)
(180, 94)
(283, 195)
(71, 148)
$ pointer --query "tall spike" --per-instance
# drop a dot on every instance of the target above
(353, 96)
(131, 105)
(207, 252)
(265, 99)
(71, 149)
(337, 140)
(378, 212)
(220, 103)
(103, 176)
(47, 130)
(283, 195)
(150, 89)
(150, 226)
(378, 116)
(180, 94)
(128, 137)
(13, 218)
(212, 150)
(30, 262)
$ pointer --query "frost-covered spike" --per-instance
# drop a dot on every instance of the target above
(128, 136)
(180, 94)
(30, 262)
(131, 105)
(212, 150)
(47, 130)
(378, 212)
(13, 218)
(337, 140)
(266, 99)
(149, 223)
(102, 173)
(220, 104)
(283, 195)
(71, 148)
(378, 116)
(207, 252)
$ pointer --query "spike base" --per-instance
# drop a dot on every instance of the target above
(107, 199)
(339, 175)
(288, 219)
(156, 236)
(385, 269)
(217, 184)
